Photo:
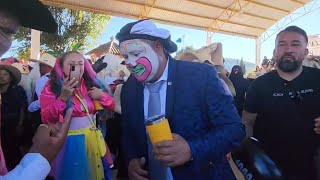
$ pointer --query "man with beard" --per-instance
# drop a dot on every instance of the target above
(201, 114)
(282, 107)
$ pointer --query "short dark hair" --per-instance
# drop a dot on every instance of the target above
(295, 29)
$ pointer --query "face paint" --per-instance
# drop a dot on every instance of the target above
(141, 60)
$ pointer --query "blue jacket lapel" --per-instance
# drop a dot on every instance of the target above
(170, 88)
(140, 114)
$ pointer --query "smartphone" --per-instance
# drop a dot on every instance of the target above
(72, 68)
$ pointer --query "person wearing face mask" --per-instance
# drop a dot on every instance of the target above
(282, 106)
(73, 83)
(241, 85)
(201, 114)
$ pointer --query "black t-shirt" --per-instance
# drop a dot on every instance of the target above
(285, 119)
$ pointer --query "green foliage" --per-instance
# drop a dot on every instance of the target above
(75, 30)
(23, 54)
(187, 48)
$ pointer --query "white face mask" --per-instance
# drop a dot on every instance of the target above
(141, 60)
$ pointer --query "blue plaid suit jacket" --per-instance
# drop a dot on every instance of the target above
(199, 109)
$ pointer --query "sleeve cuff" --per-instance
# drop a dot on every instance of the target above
(60, 103)
(107, 101)
(35, 166)
(36, 160)
(34, 106)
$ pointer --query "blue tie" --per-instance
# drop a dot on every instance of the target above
(154, 104)
(157, 171)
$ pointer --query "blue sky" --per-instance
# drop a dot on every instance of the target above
(233, 46)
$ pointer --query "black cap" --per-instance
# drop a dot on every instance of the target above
(145, 29)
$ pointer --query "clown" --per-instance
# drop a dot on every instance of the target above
(183, 91)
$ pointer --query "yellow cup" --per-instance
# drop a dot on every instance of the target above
(158, 129)
(97, 105)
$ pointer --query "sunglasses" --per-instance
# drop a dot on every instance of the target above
(294, 95)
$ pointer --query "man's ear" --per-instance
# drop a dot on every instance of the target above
(274, 51)
(158, 47)
(307, 52)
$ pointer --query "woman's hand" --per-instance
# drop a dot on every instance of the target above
(117, 99)
(95, 93)
(68, 88)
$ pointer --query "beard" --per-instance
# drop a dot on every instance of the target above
(288, 65)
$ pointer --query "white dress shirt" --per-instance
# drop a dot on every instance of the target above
(33, 166)
(163, 93)
(41, 82)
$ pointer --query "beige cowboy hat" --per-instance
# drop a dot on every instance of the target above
(23, 68)
(46, 59)
(13, 71)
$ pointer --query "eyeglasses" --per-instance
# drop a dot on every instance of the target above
(293, 93)
(296, 97)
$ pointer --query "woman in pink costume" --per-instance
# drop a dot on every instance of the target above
(73, 83)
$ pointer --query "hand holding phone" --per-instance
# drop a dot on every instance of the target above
(68, 88)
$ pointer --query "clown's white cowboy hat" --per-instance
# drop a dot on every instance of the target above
(46, 59)
(13, 71)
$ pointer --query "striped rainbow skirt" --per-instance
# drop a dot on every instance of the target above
(80, 158)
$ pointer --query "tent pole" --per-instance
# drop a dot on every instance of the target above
(35, 44)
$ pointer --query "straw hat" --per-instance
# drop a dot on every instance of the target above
(24, 69)
(46, 59)
(14, 72)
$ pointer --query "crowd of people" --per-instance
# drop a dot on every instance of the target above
(79, 125)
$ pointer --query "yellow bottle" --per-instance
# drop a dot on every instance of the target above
(158, 129)
(97, 105)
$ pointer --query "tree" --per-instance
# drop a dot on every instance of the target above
(74, 28)
(242, 65)
(183, 50)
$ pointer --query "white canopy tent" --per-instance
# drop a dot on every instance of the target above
(245, 18)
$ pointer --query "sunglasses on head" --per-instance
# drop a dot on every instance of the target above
(295, 96)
